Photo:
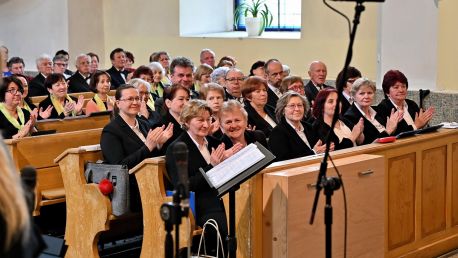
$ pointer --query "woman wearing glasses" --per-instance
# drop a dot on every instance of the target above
(352, 75)
(59, 104)
(293, 138)
(128, 140)
(15, 122)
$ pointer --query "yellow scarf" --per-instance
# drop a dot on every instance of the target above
(99, 102)
(58, 106)
(11, 119)
(150, 102)
(26, 106)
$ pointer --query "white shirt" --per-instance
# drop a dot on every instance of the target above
(300, 132)
(406, 116)
(270, 121)
(371, 118)
(348, 97)
(203, 149)
(342, 132)
(136, 129)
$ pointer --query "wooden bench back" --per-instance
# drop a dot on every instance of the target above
(87, 96)
(40, 152)
(73, 123)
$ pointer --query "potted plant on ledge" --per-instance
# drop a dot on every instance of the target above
(257, 17)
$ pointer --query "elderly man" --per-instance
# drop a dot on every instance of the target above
(44, 67)
(117, 72)
(274, 76)
(79, 81)
(60, 64)
(207, 56)
(233, 82)
(67, 72)
(317, 72)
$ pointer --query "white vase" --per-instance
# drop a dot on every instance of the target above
(253, 26)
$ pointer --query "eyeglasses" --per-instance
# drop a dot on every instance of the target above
(61, 64)
(235, 79)
(351, 81)
(294, 106)
(14, 91)
(131, 99)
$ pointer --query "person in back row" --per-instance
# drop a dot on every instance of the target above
(100, 84)
(317, 72)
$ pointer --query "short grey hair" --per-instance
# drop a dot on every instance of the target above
(360, 83)
(137, 82)
(156, 66)
(283, 101)
(219, 73)
(43, 57)
(80, 57)
(231, 106)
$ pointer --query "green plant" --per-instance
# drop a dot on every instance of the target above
(258, 8)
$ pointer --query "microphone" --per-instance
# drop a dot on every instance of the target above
(29, 181)
(180, 151)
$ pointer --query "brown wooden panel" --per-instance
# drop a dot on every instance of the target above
(455, 184)
(50, 177)
(401, 200)
(73, 124)
(433, 189)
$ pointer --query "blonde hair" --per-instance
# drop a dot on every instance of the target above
(192, 109)
(13, 207)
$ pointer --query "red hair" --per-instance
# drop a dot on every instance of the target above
(320, 100)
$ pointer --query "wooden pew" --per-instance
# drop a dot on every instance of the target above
(421, 185)
(73, 123)
(87, 96)
(40, 152)
(89, 212)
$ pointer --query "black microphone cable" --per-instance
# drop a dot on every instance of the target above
(340, 13)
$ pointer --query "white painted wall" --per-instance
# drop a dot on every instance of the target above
(32, 27)
(196, 14)
(408, 41)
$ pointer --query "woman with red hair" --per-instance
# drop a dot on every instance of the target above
(323, 111)
(395, 87)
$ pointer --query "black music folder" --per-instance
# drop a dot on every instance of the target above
(238, 168)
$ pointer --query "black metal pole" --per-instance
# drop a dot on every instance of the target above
(231, 238)
(322, 180)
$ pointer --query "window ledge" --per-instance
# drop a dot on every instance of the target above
(243, 35)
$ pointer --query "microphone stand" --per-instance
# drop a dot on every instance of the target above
(330, 184)
(231, 238)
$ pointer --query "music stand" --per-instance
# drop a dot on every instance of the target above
(233, 184)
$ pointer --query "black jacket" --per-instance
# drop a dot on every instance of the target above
(77, 83)
(254, 119)
(54, 115)
(285, 143)
(311, 91)
(385, 107)
(371, 133)
(7, 128)
(116, 78)
(37, 86)
(322, 129)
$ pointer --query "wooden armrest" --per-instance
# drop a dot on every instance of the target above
(52, 194)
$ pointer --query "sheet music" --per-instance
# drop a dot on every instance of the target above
(234, 165)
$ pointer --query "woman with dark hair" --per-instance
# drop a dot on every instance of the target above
(128, 140)
(175, 98)
(26, 102)
(204, 152)
(375, 124)
(258, 69)
(94, 62)
(234, 123)
(62, 104)
(323, 111)
(292, 137)
(395, 87)
(15, 122)
(260, 115)
(352, 75)
(100, 83)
